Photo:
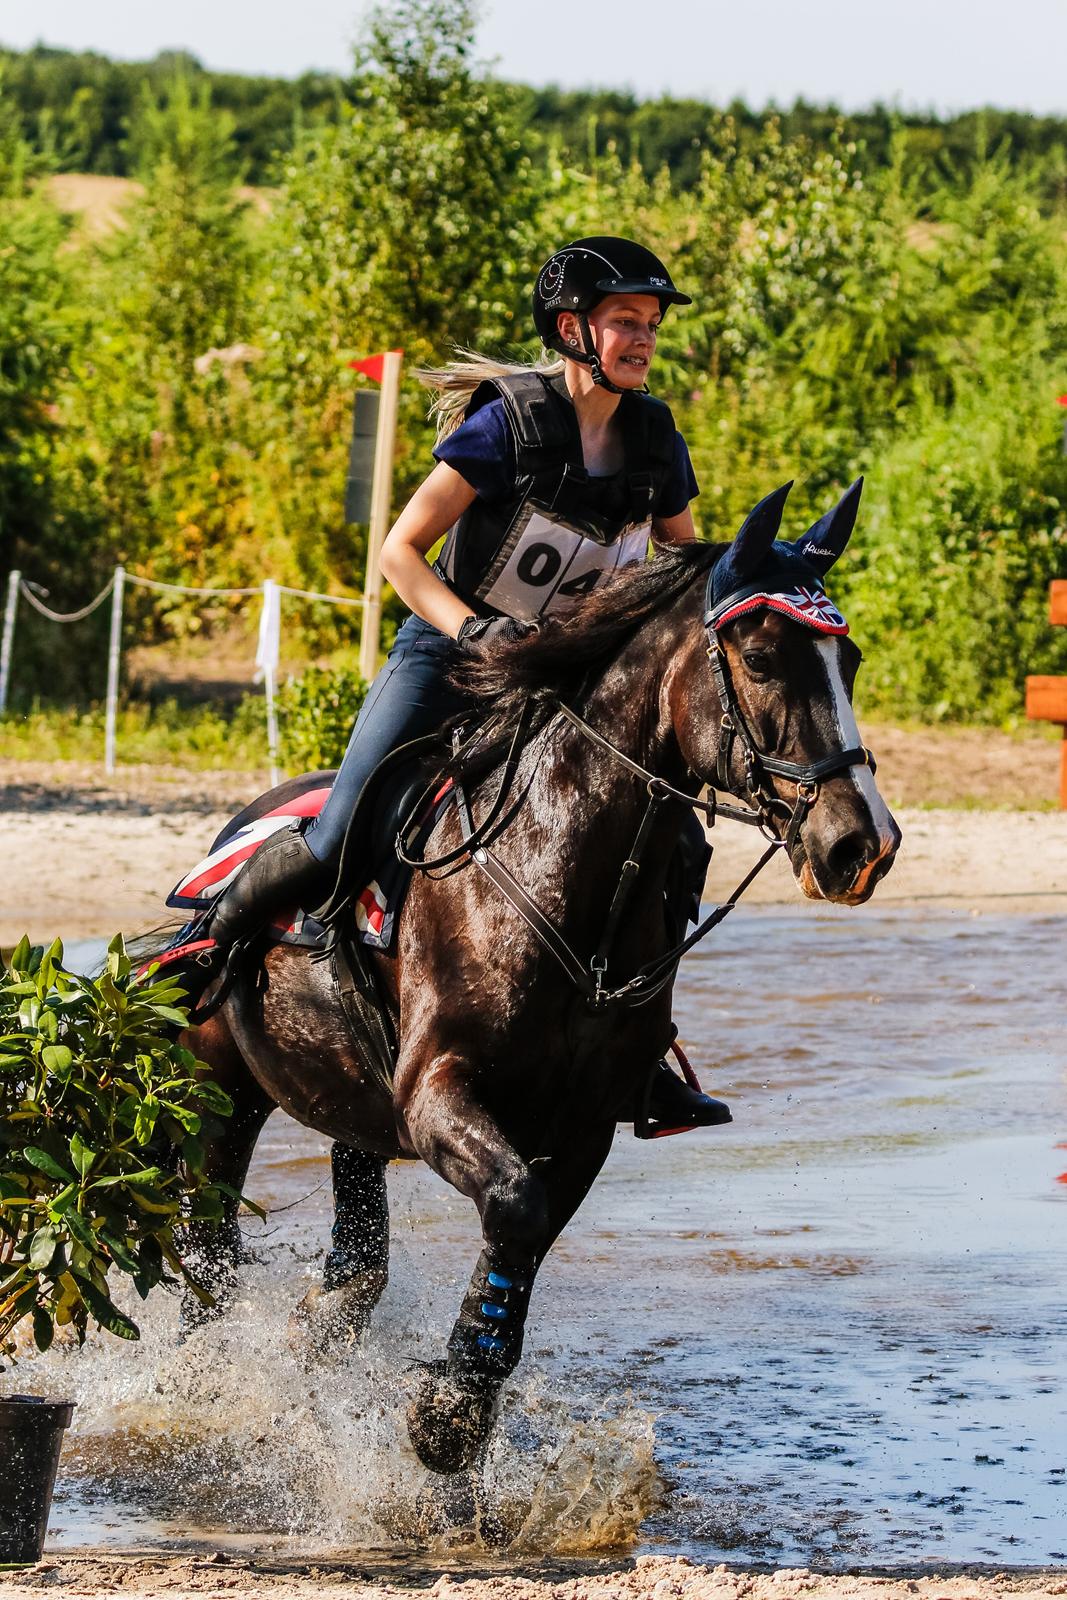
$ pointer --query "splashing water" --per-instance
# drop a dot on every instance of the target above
(230, 1436)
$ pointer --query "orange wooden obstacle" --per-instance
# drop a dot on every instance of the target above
(1046, 698)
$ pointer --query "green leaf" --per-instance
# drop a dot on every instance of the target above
(44, 1163)
(235, 1194)
(76, 1224)
(57, 1057)
(81, 1155)
(119, 1253)
(216, 1099)
(59, 1203)
(105, 1311)
(118, 962)
(42, 1249)
(145, 1120)
(20, 956)
(29, 1011)
(188, 1119)
(142, 1175)
(172, 1014)
(43, 1328)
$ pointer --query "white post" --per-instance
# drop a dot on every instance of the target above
(268, 655)
(113, 649)
(272, 726)
(13, 581)
(380, 500)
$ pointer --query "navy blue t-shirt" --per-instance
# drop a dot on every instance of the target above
(481, 450)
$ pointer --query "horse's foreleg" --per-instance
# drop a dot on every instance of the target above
(356, 1269)
(522, 1212)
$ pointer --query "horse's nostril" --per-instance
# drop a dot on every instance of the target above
(847, 856)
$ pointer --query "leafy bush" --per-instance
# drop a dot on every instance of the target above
(317, 711)
(102, 1121)
(179, 394)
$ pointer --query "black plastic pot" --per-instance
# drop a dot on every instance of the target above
(31, 1433)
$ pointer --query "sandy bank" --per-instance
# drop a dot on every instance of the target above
(84, 858)
(655, 1577)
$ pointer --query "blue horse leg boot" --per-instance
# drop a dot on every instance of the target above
(486, 1342)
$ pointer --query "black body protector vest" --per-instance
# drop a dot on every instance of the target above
(561, 530)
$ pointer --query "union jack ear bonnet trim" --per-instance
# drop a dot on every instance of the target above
(761, 570)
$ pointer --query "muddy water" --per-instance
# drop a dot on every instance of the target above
(834, 1333)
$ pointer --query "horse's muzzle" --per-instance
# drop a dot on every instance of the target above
(848, 870)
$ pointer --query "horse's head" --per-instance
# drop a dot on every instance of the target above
(773, 721)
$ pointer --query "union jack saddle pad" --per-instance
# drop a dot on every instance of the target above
(375, 908)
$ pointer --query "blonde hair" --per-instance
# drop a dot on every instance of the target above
(457, 382)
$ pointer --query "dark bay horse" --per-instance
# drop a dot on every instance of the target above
(510, 1080)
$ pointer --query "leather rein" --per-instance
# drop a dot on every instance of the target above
(763, 805)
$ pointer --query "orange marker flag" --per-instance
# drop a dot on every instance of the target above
(373, 366)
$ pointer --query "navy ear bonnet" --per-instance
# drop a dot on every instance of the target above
(761, 570)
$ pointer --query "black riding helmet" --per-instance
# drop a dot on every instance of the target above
(581, 274)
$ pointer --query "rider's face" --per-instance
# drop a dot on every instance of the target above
(624, 330)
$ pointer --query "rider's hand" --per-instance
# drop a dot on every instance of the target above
(480, 633)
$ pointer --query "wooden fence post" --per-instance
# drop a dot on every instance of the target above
(1046, 698)
(380, 501)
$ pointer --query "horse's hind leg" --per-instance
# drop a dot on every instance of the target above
(216, 1251)
(356, 1269)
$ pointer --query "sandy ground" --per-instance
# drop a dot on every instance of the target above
(654, 1577)
(85, 856)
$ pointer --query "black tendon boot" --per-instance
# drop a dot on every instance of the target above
(670, 1104)
(283, 874)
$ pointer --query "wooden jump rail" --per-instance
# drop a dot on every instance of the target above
(1046, 698)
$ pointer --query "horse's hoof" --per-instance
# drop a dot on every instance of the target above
(331, 1322)
(447, 1424)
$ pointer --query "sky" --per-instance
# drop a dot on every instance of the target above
(943, 55)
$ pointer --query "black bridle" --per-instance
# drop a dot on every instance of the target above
(758, 767)
(765, 805)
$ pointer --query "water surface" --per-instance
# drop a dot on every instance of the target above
(833, 1332)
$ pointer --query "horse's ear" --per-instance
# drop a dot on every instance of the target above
(826, 539)
(754, 538)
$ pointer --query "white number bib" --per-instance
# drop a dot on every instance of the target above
(544, 566)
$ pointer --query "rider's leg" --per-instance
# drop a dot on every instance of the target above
(669, 1103)
(297, 866)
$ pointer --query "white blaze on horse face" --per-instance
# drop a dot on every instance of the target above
(849, 734)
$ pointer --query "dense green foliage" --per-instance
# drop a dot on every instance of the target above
(870, 296)
(102, 1121)
(316, 712)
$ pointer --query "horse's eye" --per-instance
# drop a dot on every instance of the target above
(759, 664)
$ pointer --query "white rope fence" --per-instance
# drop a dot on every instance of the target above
(268, 652)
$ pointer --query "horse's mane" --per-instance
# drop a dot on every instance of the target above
(565, 651)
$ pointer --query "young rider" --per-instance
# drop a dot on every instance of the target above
(554, 476)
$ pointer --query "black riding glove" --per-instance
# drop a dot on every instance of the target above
(478, 633)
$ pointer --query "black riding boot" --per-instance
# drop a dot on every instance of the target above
(669, 1105)
(283, 874)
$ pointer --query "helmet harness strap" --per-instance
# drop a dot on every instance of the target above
(590, 357)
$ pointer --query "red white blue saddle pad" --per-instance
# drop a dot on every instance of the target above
(207, 880)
